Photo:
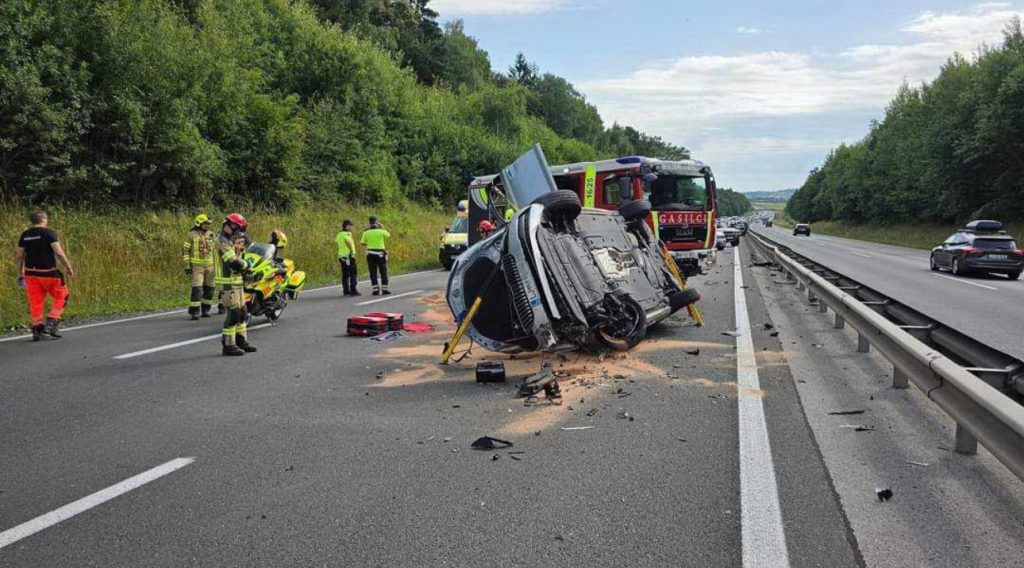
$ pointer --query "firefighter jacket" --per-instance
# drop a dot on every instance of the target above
(229, 259)
(199, 248)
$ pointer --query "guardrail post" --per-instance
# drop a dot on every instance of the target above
(822, 306)
(799, 284)
(966, 443)
(840, 322)
(899, 379)
(862, 343)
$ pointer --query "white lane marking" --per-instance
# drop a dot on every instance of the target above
(102, 323)
(386, 298)
(28, 528)
(174, 312)
(860, 254)
(180, 344)
(764, 541)
(969, 283)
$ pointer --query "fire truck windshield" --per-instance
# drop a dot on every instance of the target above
(677, 193)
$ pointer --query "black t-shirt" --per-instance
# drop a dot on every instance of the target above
(38, 245)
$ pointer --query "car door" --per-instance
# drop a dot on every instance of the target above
(943, 256)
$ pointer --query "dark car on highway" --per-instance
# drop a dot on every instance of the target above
(802, 229)
(981, 246)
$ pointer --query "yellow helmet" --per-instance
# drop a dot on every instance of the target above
(201, 219)
(278, 238)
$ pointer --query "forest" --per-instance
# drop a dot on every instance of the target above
(945, 152)
(169, 103)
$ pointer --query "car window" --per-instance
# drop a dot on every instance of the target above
(951, 240)
(995, 244)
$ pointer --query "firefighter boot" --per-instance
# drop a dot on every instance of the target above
(53, 328)
(230, 349)
(243, 344)
(38, 332)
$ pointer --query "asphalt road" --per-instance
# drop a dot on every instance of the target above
(987, 307)
(327, 450)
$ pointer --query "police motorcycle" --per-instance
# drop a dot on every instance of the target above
(270, 280)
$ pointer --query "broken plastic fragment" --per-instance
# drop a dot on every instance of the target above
(489, 443)
(883, 494)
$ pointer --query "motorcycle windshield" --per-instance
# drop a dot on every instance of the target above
(264, 251)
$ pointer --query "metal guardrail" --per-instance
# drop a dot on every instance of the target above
(977, 386)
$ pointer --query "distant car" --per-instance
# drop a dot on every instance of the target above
(981, 246)
(742, 227)
(802, 229)
(732, 235)
(720, 240)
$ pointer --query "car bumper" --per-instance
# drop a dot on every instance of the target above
(995, 265)
(447, 255)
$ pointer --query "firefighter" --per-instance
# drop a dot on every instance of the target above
(197, 253)
(230, 270)
(485, 228)
(39, 250)
(347, 258)
(376, 255)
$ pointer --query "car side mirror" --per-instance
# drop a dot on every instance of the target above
(446, 229)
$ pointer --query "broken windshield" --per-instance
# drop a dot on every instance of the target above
(687, 193)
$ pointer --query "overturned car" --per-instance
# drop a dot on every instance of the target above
(559, 277)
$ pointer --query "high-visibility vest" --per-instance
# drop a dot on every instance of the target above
(229, 264)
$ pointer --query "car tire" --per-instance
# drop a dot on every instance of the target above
(638, 209)
(955, 267)
(560, 204)
(1014, 275)
(932, 264)
(627, 339)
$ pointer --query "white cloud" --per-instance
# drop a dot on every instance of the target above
(746, 30)
(494, 7)
(681, 98)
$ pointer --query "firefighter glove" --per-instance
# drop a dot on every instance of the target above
(188, 270)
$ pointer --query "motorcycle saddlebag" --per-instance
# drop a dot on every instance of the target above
(293, 287)
(367, 326)
(396, 322)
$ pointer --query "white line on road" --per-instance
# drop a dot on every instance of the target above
(385, 299)
(103, 323)
(171, 313)
(861, 254)
(28, 528)
(966, 282)
(180, 344)
(764, 541)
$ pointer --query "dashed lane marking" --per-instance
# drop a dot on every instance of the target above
(180, 344)
(386, 298)
(969, 283)
(29, 528)
(861, 254)
(764, 540)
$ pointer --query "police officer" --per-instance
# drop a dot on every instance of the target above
(376, 255)
(198, 253)
(230, 269)
(347, 258)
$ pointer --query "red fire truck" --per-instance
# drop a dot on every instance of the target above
(681, 194)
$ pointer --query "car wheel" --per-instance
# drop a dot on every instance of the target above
(1014, 275)
(956, 267)
(931, 263)
(638, 209)
(627, 333)
(561, 204)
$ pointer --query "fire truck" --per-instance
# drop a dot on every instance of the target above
(681, 194)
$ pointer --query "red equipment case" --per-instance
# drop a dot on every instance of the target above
(396, 321)
(367, 326)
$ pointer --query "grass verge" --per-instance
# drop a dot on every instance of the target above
(130, 261)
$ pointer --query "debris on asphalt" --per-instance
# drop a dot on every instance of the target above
(544, 380)
(847, 412)
(625, 394)
(681, 439)
(693, 351)
(380, 375)
(625, 416)
(731, 333)
(385, 337)
(418, 327)
(858, 427)
(883, 494)
(571, 428)
(495, 457)
(490, 372)
(919, 464)
(517, 458)
(768, 326)
(592, 412)
(774, 334)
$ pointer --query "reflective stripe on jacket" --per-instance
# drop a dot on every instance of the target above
(229, 265)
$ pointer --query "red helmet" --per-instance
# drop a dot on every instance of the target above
(237, 220)
(485, 226)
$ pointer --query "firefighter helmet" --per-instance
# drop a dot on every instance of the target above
(202, 219)
(237, 220)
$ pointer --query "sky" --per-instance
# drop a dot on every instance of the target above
(761, 91)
